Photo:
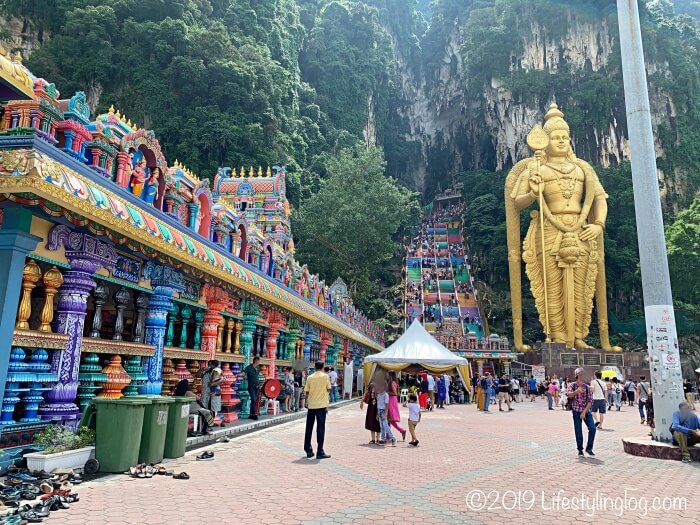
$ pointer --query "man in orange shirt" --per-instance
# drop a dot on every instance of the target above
(318, 385)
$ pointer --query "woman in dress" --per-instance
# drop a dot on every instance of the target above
(442, 392)
(371, 419)
(288, 389)
(393, 414)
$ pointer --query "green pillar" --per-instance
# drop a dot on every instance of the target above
(250, 312)
(292, 338)
(170, 334)
(15, 243)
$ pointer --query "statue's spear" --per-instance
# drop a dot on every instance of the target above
(537, 140)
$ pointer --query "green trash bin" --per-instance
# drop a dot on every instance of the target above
(178, 420)
(118, 427)
(155, 423)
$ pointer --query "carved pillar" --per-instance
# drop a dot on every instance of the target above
(230, 323)
(237, 340)
(99, 297)
(217, 300)
(308, 339)
(325, 340)
(250, 312)
(292, 338)
(121, 299)
(480, 366)
(53, 279)
(142, 301)
(30, 276)
(185, 314)
(276, 322)
(86, 255)
(172, 314)
(198, 320)
(220, 335)
(165, 281)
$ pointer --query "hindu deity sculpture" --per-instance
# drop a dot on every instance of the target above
(138, 176)
(563, 249)
(150, 188)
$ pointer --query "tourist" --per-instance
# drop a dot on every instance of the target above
(688, 393)
(598, 394)
(413, 418)
(424, 398)
(393, 412)
(504, 393)
(552, 394)
(441, 392)
(448, 384)
(685, 429)
(184, 389)
(371, 417)
(333, 375)
(643, 388)
(564, 401)
(532, 388)
(581, 400)
(609, 393)
(649, 405)
(288, 389)
(299, 376)
(216, 379)
(617, 393)
(382, 408)
(487, 385)
(431, 391)
(317, 387)
(252, 373)
(630, 388)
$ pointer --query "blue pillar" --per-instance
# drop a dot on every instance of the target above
(193, 214)
(308, 338)
(15, 243)
(165, 281)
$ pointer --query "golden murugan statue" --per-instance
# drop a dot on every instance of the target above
(563, 249)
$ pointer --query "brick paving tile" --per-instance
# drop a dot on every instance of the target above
(470, 468)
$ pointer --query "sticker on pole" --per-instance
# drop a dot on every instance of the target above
(184, 411)
(670, 360)
(162, 417)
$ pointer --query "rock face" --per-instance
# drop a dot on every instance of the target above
(471, 126)
(19, 35)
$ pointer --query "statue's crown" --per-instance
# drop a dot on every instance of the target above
(554, 120)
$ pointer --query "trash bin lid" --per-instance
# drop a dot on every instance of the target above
(152, 398)
(122, 401)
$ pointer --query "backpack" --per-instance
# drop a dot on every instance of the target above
(484, 383)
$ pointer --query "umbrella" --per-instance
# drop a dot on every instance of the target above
(608, 374)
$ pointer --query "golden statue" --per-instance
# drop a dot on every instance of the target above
(563, 249)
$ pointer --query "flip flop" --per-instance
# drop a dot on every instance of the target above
(181, 475)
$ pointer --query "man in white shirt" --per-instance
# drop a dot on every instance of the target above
(333, 375)
(431, 390)
(643, 388)
(599, 406)
(515, 389)
(448, 382)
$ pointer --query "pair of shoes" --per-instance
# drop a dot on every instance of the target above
(181, 475)
(590, 452)
(686, 459)
(403, 435)
(322, 455)
(414, 443)
(207, 455)
(309, 454)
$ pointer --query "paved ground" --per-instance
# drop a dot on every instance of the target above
(469, 468)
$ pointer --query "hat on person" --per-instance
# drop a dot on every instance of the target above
(578, 371)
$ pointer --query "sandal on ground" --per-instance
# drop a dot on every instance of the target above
(372, 442)
(181, 475)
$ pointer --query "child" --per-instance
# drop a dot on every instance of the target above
(413, 417)
(382, 409)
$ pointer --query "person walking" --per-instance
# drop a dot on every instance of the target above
(317, 387)
(532, 388)
(552, 393)
(643, 388)
(610, 394)
(688, 393)
(599, 394)
(413, 418)
(631, 388)
(504, 393)
(431, 391)
(448, 384)
(382, 409)
(487, 385)
(371, 419)
(299, 376)
(393, 413)
(288, 389)
(617, 393)
(581, 401)
(441, 392)
(333, 375)
(252, 373)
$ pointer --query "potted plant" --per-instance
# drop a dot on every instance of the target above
(63, 448)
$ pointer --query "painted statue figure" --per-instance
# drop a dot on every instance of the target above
(150, 188)
(563, 249)
(138, 176)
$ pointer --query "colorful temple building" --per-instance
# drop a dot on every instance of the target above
(440, 290)
(123, 273)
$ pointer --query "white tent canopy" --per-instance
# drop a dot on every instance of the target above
(418, 347)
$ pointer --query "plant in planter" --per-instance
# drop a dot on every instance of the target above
(63, 448)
